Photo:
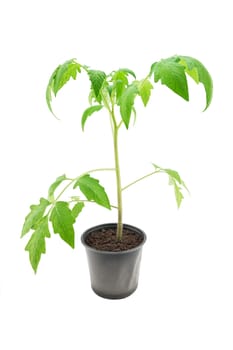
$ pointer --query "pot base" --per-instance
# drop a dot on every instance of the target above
(113, 297)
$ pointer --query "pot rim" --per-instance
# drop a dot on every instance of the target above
(93, 228)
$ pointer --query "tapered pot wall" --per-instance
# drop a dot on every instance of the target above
(114, 275)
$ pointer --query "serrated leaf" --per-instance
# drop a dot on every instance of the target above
(65, 71)
(62, 222)
(192, 72)
(127, 102)
(88, 112)
(92, 190)
(97, 78)
(120, 75)
(49, 89)
(128, 71)
(171, 74)
(35, 215)
(76, 210)
(196, 70)
(174, 174)
(174, 180)
(59, 77)
(178, 194)
(53, 187)
(144, 90)
(120, 88)
(120, 82)
(36, 245)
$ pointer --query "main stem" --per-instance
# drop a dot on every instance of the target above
(118, 178)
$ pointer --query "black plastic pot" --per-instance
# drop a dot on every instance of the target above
(114, 275)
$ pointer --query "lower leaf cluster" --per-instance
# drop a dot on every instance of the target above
(59, 215)
(62, 219)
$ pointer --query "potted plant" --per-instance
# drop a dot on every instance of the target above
(113, 250)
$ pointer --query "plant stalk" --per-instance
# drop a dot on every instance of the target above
(115, 129)
(119, 190)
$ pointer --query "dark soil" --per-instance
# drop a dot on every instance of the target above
(105, 239)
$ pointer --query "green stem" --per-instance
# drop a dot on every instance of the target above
(119, 191)
(109, 104)
(118, 175)
(64, 189)
(95, 170)
(60, 194)
(140, 179)
(87, 201)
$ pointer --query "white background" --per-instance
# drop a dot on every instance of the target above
(184, 299)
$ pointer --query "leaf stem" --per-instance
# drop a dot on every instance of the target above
(138, 180)
(64, 189)
(95, 170)
(87, 201)
(119, 125)
(76, 178)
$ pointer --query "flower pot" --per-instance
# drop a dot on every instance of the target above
(114, 274)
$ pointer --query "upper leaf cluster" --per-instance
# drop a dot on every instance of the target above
(120, 88)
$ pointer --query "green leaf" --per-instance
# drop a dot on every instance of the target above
(171, 74)
(76, 210)
(91, 97)
(88, 112)
(92, 190)
(59, 78)
(36, 245)
(49, 89)
(144, 90)
(120, 82)
(156, 167)
(174, 174)
(97, 78)
(120, 75)
(62, 221)
(197, 71)
(35, 215)
(178, 194)
(174, 180)
(65, 71)
(53, 187)
(127, 102)
(134, 114)
(128, 71)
